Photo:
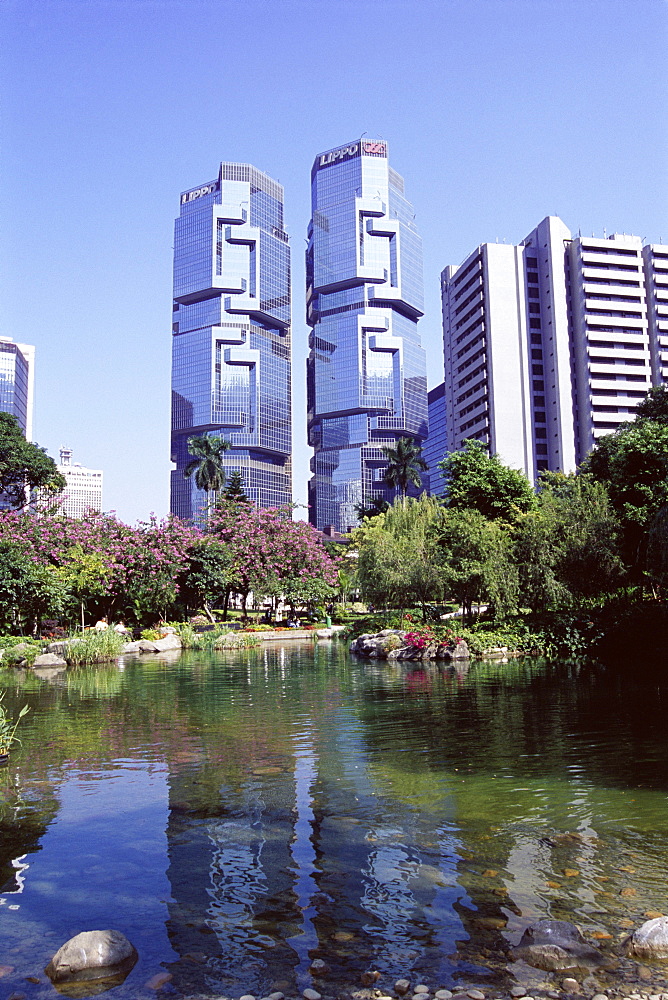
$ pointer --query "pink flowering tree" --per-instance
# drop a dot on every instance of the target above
(272, 555)
(104, 564)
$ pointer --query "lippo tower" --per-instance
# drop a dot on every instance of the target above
(366, 372)
(231, 360)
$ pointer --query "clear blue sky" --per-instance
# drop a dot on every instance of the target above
(497, 113)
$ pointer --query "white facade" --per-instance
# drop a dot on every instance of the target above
(506, 351)
(655, 258)
(611, 350)
(550, 344)
(84, 487)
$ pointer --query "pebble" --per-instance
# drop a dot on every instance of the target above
(247, 996)
(600, 996)
(571, 985)
(517, 991)
(475, 995)
(277, 995)
(319, 967)
(402, 986)
(443, 995)
(309, 995)
(421, 989)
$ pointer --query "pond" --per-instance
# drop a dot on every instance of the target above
(237, 815)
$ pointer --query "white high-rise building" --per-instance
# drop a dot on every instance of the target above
(84, 487)
(655, 258)
(552, 343)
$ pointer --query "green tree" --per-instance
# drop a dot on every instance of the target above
(657, 552)
(404, 464)
(567, 547)
(207, 577)
(655, 405)
(234, 488)
(476, 555)
(84, 575)
(28, 591)
(476, 480)
(633, 465)
(207, 463)
(399, 556)
(24, 467)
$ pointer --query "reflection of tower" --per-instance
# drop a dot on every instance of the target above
(366, 382)
(231, 334)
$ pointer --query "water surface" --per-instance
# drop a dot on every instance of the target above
(237, 815)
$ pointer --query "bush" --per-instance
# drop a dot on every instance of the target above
(94, 647)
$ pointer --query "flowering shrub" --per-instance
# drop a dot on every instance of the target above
(420, 638)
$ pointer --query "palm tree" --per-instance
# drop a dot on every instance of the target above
(404, 464)
(207, 463)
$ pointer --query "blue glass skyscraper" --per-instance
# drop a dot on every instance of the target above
(231, 361)
(17, 363)
(367, 383)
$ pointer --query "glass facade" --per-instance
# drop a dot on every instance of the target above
(15, 382)
(231, 359)
(366, 372)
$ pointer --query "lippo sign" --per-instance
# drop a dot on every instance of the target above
(354, 149)
(199, 192)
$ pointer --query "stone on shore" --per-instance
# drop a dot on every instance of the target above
(650, 940)
(92, 955)
(170, 641)
(49, 660)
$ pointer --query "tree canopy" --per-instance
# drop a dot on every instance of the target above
(476, 480)
(24, 467)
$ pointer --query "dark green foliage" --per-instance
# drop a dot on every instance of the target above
(632, 463)
(207, 576)
(478, 481)
(404, 464)
(655, 405)
(28, 591)
(24, 467)
(566, 548)
(234, 488)
(373, 508)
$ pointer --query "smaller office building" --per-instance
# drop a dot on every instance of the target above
(83, 492)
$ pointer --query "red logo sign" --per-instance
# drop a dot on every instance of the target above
(374, 148)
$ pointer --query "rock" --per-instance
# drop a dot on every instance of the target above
(131, 647)
(651, 939)
(421, 989)
(556, 944)
(146, 646)
(401, 986)
(475, 995)
(49, 660)
(310, 995)
(170, 641)
(443, 995)
(318, 967)
(570, 985)
(247, 996)
(369, 977)
(517, 991)
(92, 955)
